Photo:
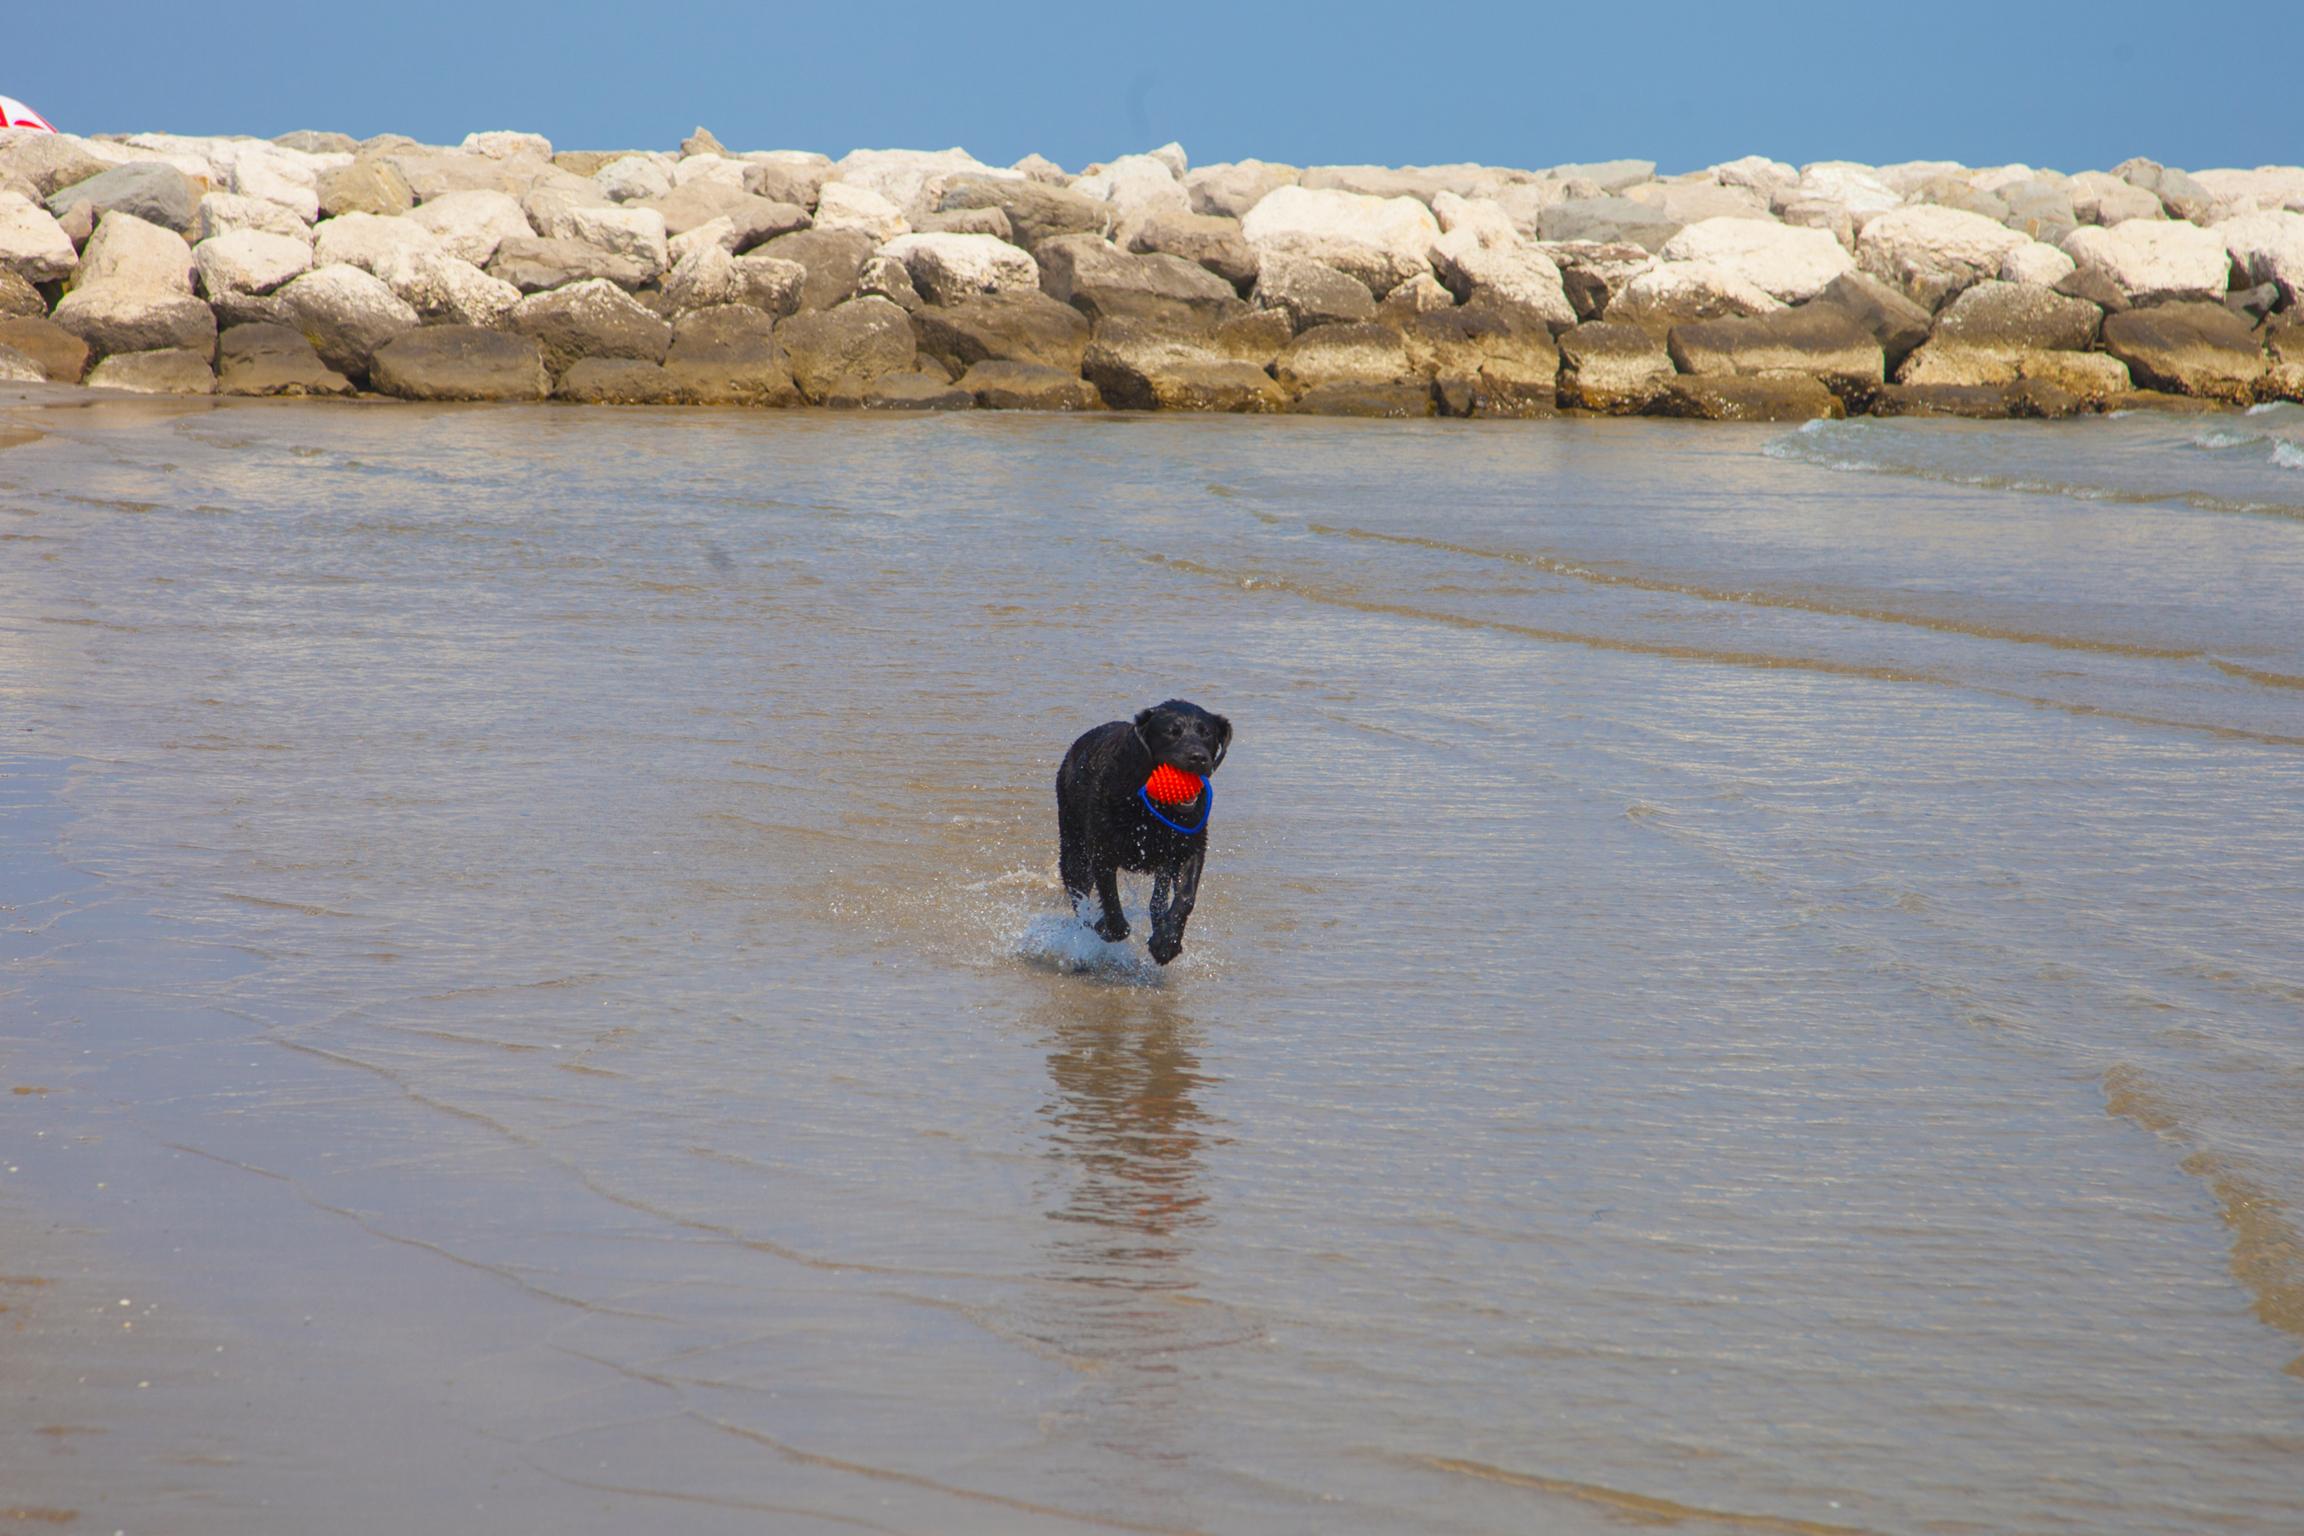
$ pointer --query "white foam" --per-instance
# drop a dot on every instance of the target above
(1065, 943)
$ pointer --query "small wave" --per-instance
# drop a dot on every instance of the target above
(2288, 455)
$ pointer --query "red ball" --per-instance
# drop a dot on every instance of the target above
(1171, 786)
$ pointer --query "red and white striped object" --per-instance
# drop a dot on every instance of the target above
(14, 114)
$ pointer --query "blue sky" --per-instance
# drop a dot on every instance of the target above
(1528, 85)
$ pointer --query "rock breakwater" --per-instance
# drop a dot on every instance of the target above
(502, 269)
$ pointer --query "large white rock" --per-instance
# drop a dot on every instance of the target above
(126, 252)
(1383, 241)
(1933, 252)
(846, 205)
(911, 178)
(1488, 221)
(2099, 198)
(2265, 188)
(505, 144)
(363, 239)
(32, 242)
(1674, 291)
(220, 213)
(275, 178)
(1512, 271)
(1906, 177)
(1792, 264)
(249, 261)
(1137, 186)
(470, 225)
(2151, 261)
(347, 314)
(634, 232)
(1757, 172)
(1856, 188)
(948, 267)
(1232, 189)
(635, 178)
(2037, 262)
(439, 287)
(2269, 247)
(715, 169)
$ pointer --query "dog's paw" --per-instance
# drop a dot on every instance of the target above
(1166, 948)
(1111, 929)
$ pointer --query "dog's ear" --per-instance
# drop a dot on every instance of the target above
(1144, 716)
(1223, 742)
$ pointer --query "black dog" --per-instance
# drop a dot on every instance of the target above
(1106, 824)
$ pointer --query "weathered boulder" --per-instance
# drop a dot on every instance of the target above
(2033, 262)
(2179, 194)
(460, 362)
(1593, 274)
(1400, 400)
(507, 144)
(1931, 253)
(432, 173)
(1831, 218)
(125, 251)
(471, 225)
(594, 318)
(728, 356)
(635, 178)
(1756, 173)
(1821, 340)
(364, 239)
(1614, 367)
(1693, 202)
(1420, 295)
(18, 297)
(222, 213)
(115, 317)
(1141, 367)
(2189, 348)
(1607, 220)
(1003, 327)
(1486, 363)
(844, 206)
(16, 368)
(2094, 377)
(1099, 279)
(1135, 187)
(908, 178)
(249, 261)
(616, 381)
(32, 243)
(1381, 241)
(1513, 275)
(755, 218)
(1893, 320)
(1793, 265)
(2268, 248)
(537, 264)
(1311, 293)
(2107, 200)
(1857, 188)
(1208, 239)
(1038, 167)
(786, 176)
(634, 235)
(889, 278)
(832, 258)
(60, 355)
(2013, 318)
(1229, 191)
(441, 288)
(273, 360)
(1978, 402)
(347, 313)
(169, 371)
(2282, 336)
(946, 268)
(922, 391)
(1781, 397)
(154, 192)
(840, 350)
(1364, 353)
(2147, 261)
(1675, 292)
(45, 162)
(967, 221)
(2263, 189)
(1007, 386)
(1034, 211)
(364, 186)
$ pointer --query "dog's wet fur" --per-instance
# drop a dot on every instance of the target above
(1103, 826)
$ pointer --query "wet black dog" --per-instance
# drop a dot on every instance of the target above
(1105, 825)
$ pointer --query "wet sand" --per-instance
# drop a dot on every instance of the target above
(1745, 981)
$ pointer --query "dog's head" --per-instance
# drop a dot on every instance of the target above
(1184, 736)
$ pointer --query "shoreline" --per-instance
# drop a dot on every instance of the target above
(902, 280)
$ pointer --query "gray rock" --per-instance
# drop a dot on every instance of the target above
(60, 355)
(588, 319)
(170, 371)
(1893, 320)
(273, 360)
(537, 264)
(460, 362)
(1004, 327)
(1488, 362)
(2018, 317)
(1258, 337)
(432, 173)
(967, 221)
(1823, 341)
(1230, 191)
(1361, 353)
(834, 260)
(1607, 219)
(1608, 175)
(152, 191)
(908, 392)
(2255, 303)
(311, 141)
(1210, 240)
(782, 181)
(365, 186)
(1593, 273)
(1780, 397)
(347, 314)
(2179, 194)
(1398, 401)
(729, 356)
(757, 219)
(1422, 294)
(1142, 367)
(46, 162)
(889, 278)
(1977, 401)
(1311, 293)
(2041, 209)
(1100, 280)
(2283, 339)
(115, 317)
(1612, 367)
(843, 350)
(2196, 349)
(1035, 211)
(1008, 386)
(617, 381)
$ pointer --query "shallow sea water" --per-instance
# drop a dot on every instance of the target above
(1748, 978)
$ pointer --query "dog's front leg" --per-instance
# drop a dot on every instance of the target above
(1171, 911)
(1113, 926)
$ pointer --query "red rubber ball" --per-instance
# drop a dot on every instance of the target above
(1170, 786)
